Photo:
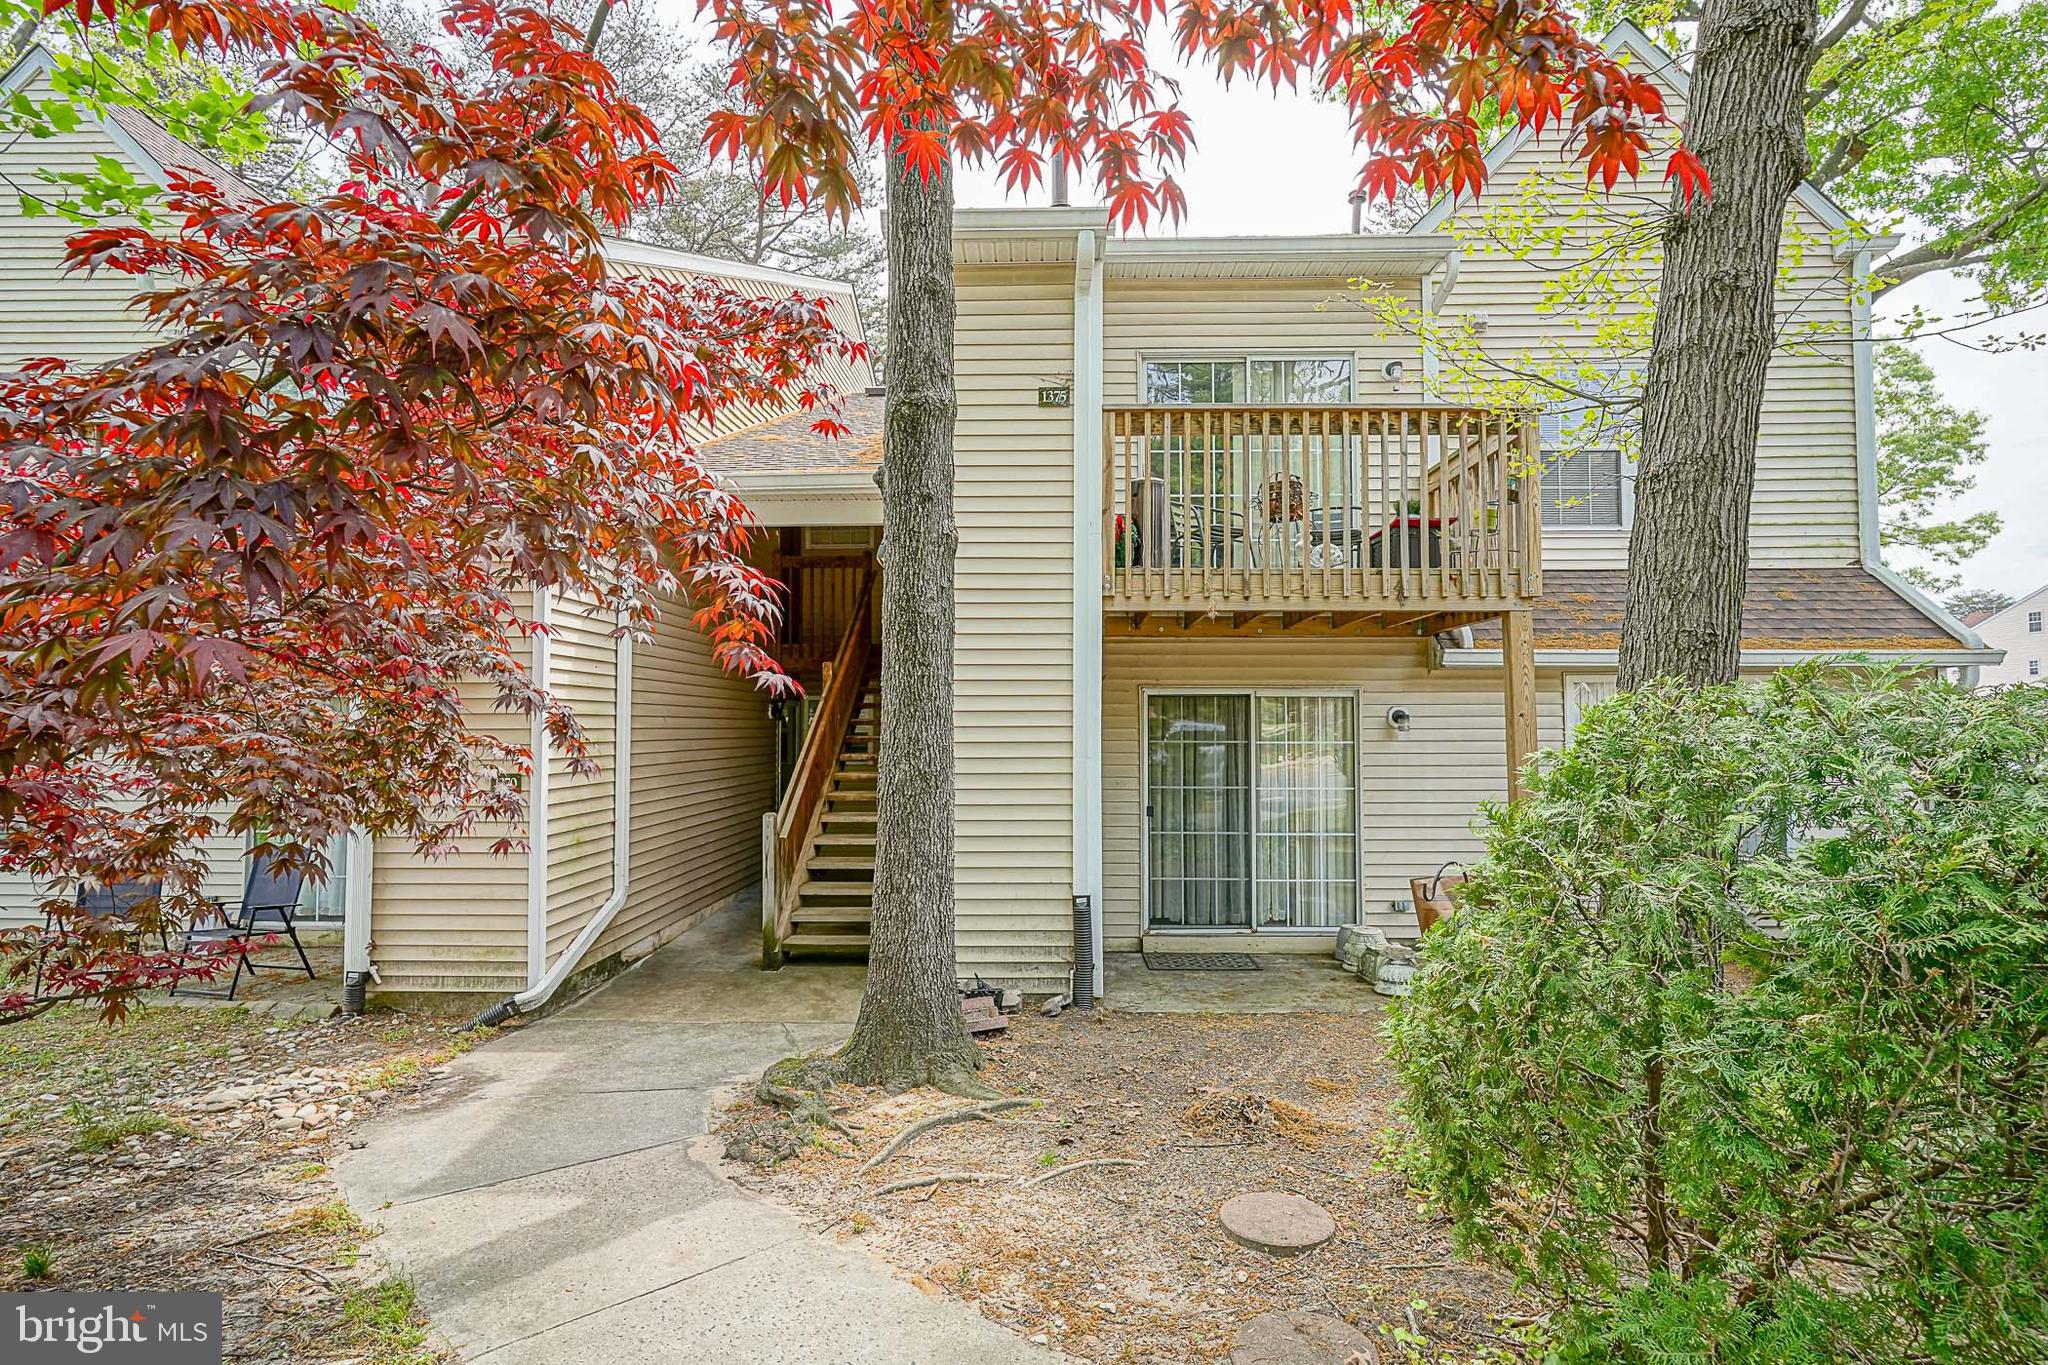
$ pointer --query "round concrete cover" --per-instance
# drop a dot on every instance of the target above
(1275, 1223)
(1295, 1336)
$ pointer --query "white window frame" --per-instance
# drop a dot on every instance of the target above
(1252, 929)
(2033, 623)
(2033, 668)
(1625, 472)
(1573, 711)
(1244, 358)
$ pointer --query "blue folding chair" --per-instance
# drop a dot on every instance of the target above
(105, 905)
(269, 904)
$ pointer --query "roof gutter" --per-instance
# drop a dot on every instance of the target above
(542, 985)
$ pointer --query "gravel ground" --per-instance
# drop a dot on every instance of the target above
(186, 1149)
(1128, 1263)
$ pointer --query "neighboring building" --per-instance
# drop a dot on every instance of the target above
(1250, 622)
(2021, 630)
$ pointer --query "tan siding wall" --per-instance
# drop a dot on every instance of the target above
(582, 671)
(1418, 792)
(1805, 507)
(703, 774)
(1014, 498)
(455, 923)
(1183, 317)
(44, 311)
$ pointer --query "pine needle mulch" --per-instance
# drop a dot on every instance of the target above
(1126, 1262)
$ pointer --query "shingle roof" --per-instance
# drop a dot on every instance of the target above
(1846, 608)
(788, 445)
(178, 156)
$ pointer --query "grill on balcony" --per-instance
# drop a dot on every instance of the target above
(1399, 514)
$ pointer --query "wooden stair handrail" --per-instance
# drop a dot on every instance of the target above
(795, 823)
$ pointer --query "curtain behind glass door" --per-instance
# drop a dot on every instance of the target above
(1198, 785)
(1306, 845)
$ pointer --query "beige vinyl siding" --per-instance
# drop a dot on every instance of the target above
(703, 774)
(1418, 792)
(1805, 506)
(455, 922)
(43, 310)
(1013, 669)
(582, 672)
(1249, 317)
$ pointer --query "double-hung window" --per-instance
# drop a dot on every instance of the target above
(1588, 464)
(2034, 622)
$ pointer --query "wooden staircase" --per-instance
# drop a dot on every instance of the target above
(836, 879)
(818, 845)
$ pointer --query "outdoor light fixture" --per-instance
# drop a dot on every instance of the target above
(1393, 370)
(1400, 718)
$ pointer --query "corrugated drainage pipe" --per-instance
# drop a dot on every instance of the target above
(538, 994)
(1084, 954)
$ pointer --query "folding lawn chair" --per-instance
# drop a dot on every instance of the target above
(270, 902)
(104, 904)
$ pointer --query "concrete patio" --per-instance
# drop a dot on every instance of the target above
(564, 1204)
(1284, 983)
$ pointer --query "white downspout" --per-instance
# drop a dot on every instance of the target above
(1088, 571)
(543, 985)
(537, 803)
(357, 970)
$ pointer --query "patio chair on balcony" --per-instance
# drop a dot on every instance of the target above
(269, 904)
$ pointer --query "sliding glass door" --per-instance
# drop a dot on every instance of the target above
(1252, 810)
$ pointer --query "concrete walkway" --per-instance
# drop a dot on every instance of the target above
(562, 1204)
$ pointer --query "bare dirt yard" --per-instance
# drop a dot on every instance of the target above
(1128, 1262)
(187, 1149)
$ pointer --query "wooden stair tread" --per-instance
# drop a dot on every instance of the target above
(831, 864)
(812, 915)
(815, 940)
(808, 887)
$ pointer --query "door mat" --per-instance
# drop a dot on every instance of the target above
(1201, 962)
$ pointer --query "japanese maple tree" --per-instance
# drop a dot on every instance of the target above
(257, 572)
(932, 83)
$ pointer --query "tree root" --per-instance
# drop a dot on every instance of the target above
(1073, 1166)
(942, 1178)
(951, 1069)
(796, 1086)
(923, 1126)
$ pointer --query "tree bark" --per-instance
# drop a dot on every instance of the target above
(1714, 333)
(910, 1031)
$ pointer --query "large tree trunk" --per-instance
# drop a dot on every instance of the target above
(1715, 330)
(910, 1031)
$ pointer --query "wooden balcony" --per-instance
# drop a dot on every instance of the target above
(1365, 520)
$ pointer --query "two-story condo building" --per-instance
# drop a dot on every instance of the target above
(1251, 617)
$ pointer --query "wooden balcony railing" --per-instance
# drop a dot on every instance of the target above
(1353, 509)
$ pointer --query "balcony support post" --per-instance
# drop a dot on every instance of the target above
(1518, 692)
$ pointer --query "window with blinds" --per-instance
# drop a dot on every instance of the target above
(1586, 470)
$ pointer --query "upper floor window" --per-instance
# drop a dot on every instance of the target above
(1588, 469)
(1251, 379)
(2034, 622)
